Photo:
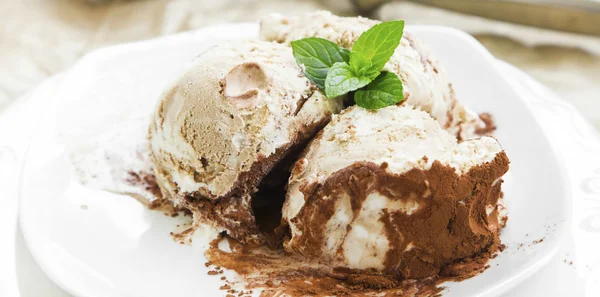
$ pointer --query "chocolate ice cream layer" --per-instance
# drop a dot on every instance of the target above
(426, 85)
(236, 111)
(391, 190)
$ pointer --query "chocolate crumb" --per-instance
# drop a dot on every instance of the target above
(225, 287)
(538, 241)
(490, 126)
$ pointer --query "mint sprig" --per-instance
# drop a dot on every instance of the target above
(362, 66)
(337, 71)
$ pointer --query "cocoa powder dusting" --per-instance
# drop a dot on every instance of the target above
(450, 225)
(276, 273)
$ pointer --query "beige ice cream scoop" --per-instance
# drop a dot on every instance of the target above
(391, 190)
(426, 85)
(234, 113)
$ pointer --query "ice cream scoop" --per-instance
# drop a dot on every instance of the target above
(236, 111)
(391, 190)
(426, 85)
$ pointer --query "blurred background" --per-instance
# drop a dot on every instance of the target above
(557, 42)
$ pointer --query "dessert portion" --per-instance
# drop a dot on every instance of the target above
(236, 112)
(426, 85)
(390, 190)
(391, 193)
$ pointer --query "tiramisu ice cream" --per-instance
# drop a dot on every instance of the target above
(226, 122)
(391, 190)
(426, 85)
(305, 187)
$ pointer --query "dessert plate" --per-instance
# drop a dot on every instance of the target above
(97, 243)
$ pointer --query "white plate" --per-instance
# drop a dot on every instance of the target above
(116, 247)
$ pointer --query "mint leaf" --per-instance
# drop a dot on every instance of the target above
(362, 66)
(316, 56)
(345, 54)
(342, 79)
(385, 90)
(378, 43)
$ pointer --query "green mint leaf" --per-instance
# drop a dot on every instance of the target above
(316, 56)
(362, 66)
(342, 79)
(384, 91)
(378, 43)
(344, 53)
